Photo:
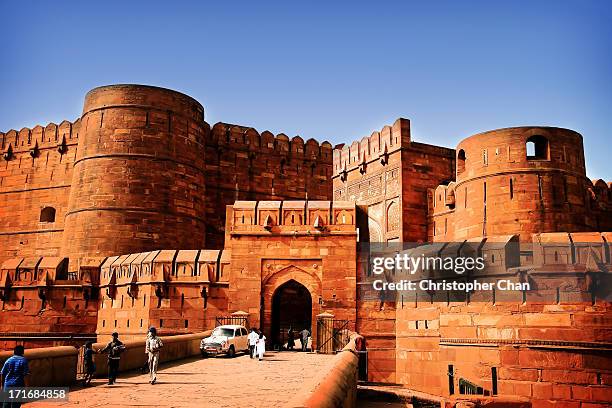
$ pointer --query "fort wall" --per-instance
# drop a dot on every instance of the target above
(42, 304)
(178, 292)
(138, 180)
(549, 344)
(388, 175)
(35, 179)
(519, 180)
(292, 245)
(243, 164)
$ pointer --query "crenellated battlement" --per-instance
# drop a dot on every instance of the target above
(374, 147)
(39, 138)
(227, 135)
(291, 217)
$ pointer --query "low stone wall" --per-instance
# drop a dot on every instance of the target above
(134, 357)
(334, 388)
(55, 366)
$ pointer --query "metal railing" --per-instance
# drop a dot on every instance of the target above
(469, 388)
(332, 335)
(237, 320)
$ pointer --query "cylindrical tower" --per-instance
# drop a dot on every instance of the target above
(138, 180)
(520, 180)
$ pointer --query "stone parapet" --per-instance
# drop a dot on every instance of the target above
(335, 387)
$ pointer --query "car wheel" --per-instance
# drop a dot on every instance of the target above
(204, 354)
(231, 353)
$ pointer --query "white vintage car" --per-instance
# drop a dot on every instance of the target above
(229, 339)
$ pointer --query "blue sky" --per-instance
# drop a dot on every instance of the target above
(329, 70)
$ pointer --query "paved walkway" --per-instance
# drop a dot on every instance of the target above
(212, 382)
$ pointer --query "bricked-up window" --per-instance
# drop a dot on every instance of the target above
(460, 161)
(47, 214)
(537, 148)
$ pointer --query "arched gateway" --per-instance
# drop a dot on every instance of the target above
(291, 308)
(290, 298)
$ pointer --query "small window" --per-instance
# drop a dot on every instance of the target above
(461, 161)
(537, 148)
(47, 214)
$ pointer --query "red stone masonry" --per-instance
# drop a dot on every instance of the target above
(502, 188)
(242, 164)
(138, 180)
(35, 173)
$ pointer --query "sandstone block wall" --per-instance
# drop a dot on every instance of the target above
(177, 292)
(551, 344)
(138, 180)
(274, 243)
(35, 174)
(506, 186)
(42, 305)
(242, 164)
(388, 175)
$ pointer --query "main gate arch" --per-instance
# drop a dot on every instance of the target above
(291, 278)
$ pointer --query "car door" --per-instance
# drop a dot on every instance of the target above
(245, 336)
(238, 340)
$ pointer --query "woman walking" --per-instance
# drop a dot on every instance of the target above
(261, 346)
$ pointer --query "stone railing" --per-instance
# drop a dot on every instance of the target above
(175, 348)
(333, 388)
(57, 366)
(49, 366)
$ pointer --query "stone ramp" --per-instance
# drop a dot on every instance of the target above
(213, 382)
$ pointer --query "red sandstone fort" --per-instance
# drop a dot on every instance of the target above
(140, 213)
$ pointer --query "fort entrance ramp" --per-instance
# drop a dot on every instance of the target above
(210, 382)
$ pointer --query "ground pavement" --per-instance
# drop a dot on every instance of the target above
(212, 382)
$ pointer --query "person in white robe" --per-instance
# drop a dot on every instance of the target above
(261, 346)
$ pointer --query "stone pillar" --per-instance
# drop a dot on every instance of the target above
(325, 334)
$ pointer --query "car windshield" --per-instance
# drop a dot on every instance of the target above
(223, 332)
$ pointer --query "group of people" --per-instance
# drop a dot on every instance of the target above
(153, 345)
(304, 335)
(257, 344)
(15, 369)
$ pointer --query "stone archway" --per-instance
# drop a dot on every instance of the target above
(291, 308)
(291, 278)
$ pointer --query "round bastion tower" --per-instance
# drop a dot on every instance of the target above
(520, 180)
(138, 180)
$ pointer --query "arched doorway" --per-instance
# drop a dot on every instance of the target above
(291, 307)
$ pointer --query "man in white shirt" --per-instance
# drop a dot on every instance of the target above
(152, 346)
(253, 337)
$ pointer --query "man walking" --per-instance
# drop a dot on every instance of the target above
(13, 373)
(304, 334)
(114, 349)
(152, 346)
(253, 337)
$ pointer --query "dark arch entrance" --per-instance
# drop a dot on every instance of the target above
(291, 307)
